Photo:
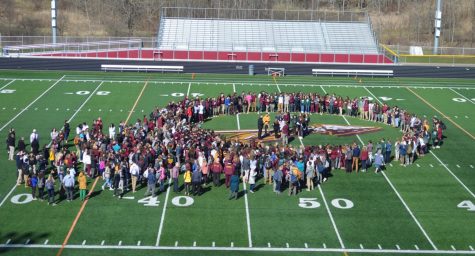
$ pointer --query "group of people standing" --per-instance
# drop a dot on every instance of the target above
(170, 142)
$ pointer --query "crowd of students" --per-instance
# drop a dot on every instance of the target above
(170, 143)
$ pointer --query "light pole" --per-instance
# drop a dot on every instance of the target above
(53, 20)
(438, 19)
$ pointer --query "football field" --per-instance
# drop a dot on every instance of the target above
(427, 208)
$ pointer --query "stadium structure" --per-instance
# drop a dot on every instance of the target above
(230, 35)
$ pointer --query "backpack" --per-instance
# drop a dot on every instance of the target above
(442, 125)
(268, 164)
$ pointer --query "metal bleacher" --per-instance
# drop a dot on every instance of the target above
(266, 36)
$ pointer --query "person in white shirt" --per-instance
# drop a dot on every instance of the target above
(201, 110)
(280, 103)
(54, 134)
(111, 131)
(34, 135)
(286, 102)
(134, 172)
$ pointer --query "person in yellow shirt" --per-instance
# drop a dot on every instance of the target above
(187, 178)
(266, 120)
(82, 185)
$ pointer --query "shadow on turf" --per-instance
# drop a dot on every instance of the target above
(22, 238)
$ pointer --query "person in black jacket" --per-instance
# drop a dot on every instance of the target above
(66, 130)
(35, 146)
(21, 144)
(11, 146)
(260, 126)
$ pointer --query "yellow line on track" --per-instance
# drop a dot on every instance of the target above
(440, 112)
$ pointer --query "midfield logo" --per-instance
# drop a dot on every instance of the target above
(248, 136)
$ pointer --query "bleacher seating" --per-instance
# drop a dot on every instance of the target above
(258, 36)
(267, 41)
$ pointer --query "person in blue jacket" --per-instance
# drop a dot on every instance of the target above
(234, 187)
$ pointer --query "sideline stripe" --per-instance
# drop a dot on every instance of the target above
(3, 87)
(137, 101)
(398, 195)
(329, 212)
(248, 220)
(245, 249)
(329, 83)
(66, 239)
(162, 219)
(444, 115)
(469, 100)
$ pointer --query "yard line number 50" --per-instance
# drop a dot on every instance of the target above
(340, 203)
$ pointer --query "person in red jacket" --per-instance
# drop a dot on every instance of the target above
(364, 158)
(216, 169)
(228, 172)
(285, 134)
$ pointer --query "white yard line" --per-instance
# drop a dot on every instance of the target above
(323, 89)
(461, 95)
(162, 219)
(328, 210)
(244, 249)
(31, 103)
(237, 115)
(248, 219)
(447, 168)
(238, 122)
(15, 117)
(84, 103)
(9, 83)
(276, 84)
(188, 91)
(399, 196)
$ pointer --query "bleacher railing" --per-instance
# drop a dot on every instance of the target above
(447, 55)
(263, 14)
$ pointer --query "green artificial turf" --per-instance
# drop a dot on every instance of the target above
(386, 209)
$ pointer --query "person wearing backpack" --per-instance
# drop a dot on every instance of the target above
(34, 185)
(49, 185)
(196, 181)
(234, 187)
(310, 174)
(106, 175)
(293, 180)
(187, 180)
(216, 170)
(269, 170)
(41, 185)
(277, 177)
(149, 174)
